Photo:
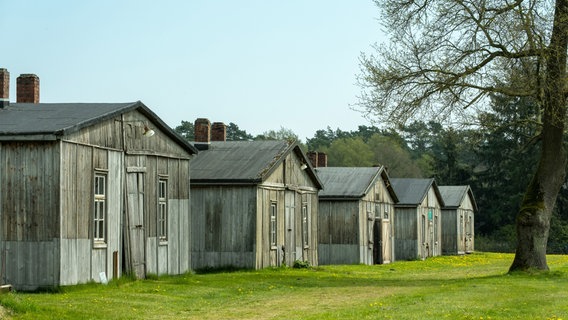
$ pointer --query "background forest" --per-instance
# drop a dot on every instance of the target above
(496, 157)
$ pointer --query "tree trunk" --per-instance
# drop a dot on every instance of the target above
(533, 220)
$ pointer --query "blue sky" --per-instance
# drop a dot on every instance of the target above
(260, 64)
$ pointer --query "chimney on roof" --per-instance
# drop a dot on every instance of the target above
(27, 88)
(218, 131)
(322, 159)
(202, 129)
(202, 133)
(4, 88)
(313, 157)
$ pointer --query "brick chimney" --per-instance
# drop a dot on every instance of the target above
(313, 157)
(202, 129)
(27, 88)
(4, 88)
(322, 159)
(218, 131)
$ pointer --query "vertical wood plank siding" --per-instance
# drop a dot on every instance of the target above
(29, 214)
(410, 242)
(406, 223)
(346, 226)
(451, 232)
(172, 256)
(223, 224)
(338, 232)
(231, 224)
(81, 260)
(47, 203)
(457, 228)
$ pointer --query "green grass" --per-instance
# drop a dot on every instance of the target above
(475, 286)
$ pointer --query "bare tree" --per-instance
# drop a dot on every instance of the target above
(445, 57)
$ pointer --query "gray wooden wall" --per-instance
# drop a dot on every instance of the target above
(231, 224)
(346, 227)
(81, 260)
(338, 232)
(223, 226)
(46, 194)
(29, 216)
(458, 234)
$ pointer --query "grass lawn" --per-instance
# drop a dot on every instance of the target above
(475, 286)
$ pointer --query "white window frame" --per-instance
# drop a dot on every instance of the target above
(305, 226)
(273, 212)
(162, 216)
(99, 209)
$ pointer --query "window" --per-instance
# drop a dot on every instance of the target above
(163, 210)
(370, 213)
(99, 226)
(273, 212)
(436, 229)
(370, 223)
(423, 234)
(305, 233)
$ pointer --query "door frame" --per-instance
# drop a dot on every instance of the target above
(135, 235)
(290, 227)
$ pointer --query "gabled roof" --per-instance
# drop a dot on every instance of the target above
(347, 183)
(411, 192)
(51, 121)
(243, 162)
(454, 196)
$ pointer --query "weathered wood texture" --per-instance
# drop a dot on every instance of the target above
(346, 228)
(47, 204)
(223, 224)
(457, 229)
(160, 257)
(418, 229)
(30, 191)
(231, 224)
(125, 132)
(291, 189)
(81, 260)
(29, 217)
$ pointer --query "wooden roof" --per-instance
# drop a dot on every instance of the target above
(351, 182)
(454, 196)
(51, 121)
(243, 162)
(412, 191)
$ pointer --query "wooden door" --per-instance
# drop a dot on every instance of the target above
(462, 237)
(377, 242)
(469, 233)
(135, 243)
(289, 231)
(424, 246)
(382, 249)
(386, 245)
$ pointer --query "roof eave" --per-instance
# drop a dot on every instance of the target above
(293, 147)
(406, 205)
(390, 189)
(311, 170)
(341, 197)
(166, 129)
(224, 182)
(30, 137)
(138, 105)
(90, 122)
